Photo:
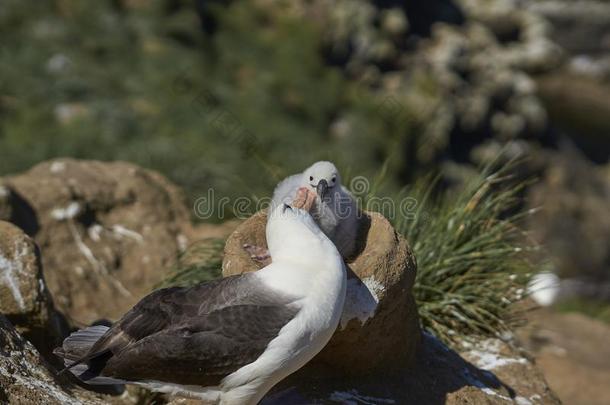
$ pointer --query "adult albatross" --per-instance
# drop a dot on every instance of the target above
(227, 341)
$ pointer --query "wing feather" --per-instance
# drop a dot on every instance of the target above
(203, 352)
(193, 335)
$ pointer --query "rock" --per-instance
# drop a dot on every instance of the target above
(378, 298)
(25, 377)
(572, 351)
(24, 298)
(488, 372)
(520, 380)
(574, 225)
(21, 295)
(108, 231)
(580, 27)
(578, 104)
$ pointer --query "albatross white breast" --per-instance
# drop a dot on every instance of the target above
(231, 340)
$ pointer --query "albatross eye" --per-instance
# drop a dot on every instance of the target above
(333, 179)
(310, 178)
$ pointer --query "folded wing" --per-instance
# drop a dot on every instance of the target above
(194, 336)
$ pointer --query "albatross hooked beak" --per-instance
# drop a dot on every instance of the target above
(321, 188)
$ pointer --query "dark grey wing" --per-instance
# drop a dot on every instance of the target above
(190, 335)
(205, 350)
(152, 314)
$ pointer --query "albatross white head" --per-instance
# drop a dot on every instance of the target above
(323, 177)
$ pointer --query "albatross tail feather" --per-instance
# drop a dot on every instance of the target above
(78, 343)
(74, 351)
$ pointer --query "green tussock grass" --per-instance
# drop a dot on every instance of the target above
(473, 261)
(472, 258)
(202, 261)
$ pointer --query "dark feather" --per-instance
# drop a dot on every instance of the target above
(194, 336)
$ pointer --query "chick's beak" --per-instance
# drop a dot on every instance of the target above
(321, 188)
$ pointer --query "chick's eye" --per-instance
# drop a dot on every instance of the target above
(334, 179)
(310, 178)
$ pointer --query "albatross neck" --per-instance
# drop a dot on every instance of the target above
(311, 268)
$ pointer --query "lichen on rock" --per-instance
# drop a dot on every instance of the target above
(24, 297)
(25, 377)
(109, 231)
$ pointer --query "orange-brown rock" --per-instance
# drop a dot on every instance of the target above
(108, 231)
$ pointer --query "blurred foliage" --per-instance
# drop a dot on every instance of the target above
(141, 81)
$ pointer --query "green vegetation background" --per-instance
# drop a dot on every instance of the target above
(235, 111)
